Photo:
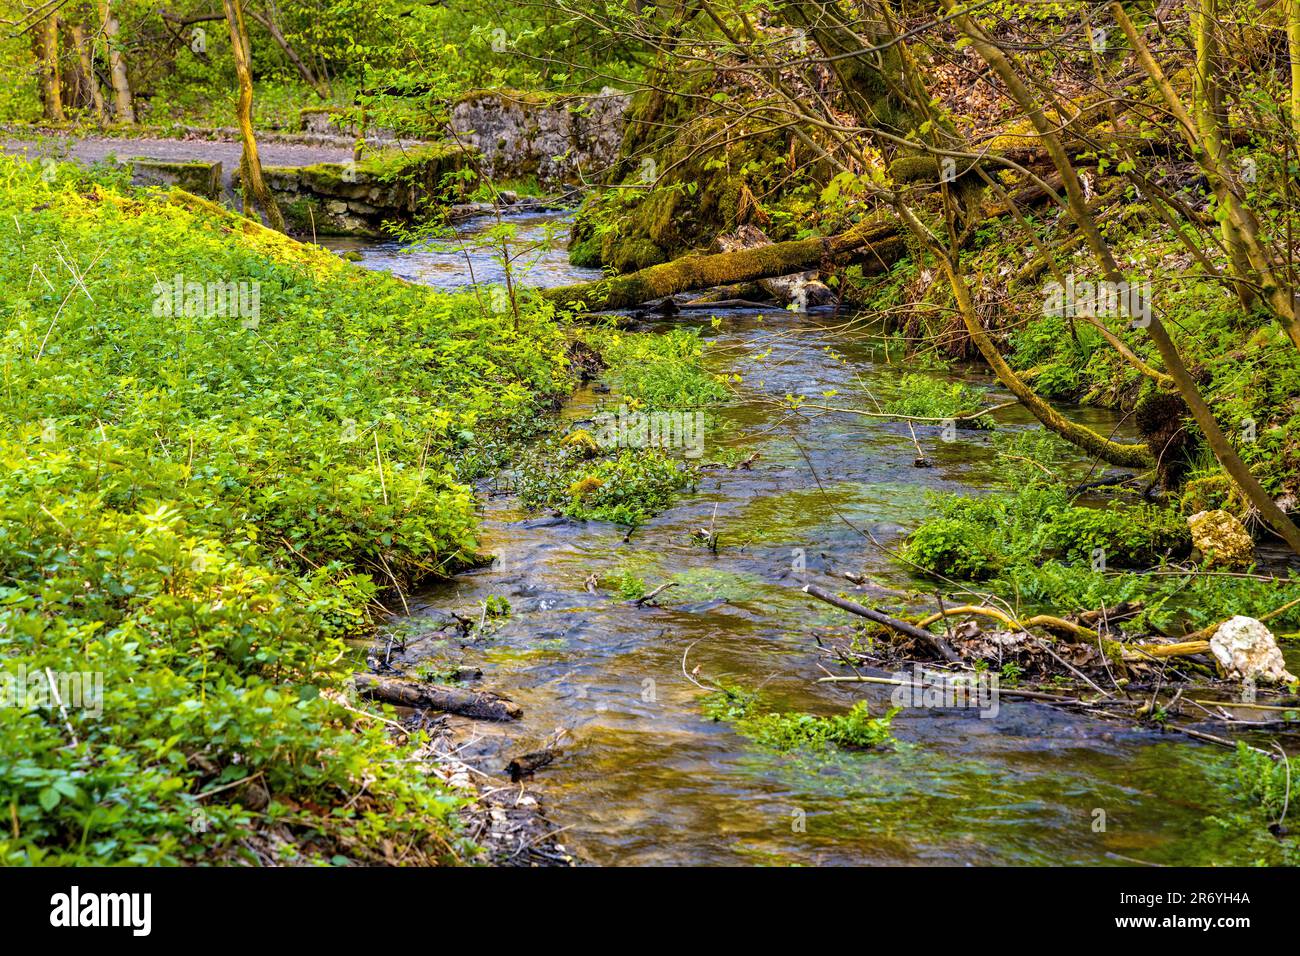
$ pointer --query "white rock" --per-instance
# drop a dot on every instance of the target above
(1247, 650)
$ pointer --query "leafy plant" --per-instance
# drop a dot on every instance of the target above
(792, 731)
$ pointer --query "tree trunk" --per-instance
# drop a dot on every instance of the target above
(51, 85)
(802, 288)
(93, 96)
(1207, 106)
(123, 103)
(1293, 53)
(867, 60)
(250, 166)
(877, 241)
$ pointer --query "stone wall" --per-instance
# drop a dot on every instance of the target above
(356, 199)
(202, 179)
(562, 142)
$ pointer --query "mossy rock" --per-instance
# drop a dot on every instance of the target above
(357, 198)
(199, 178)
(1210, 493)
(585, 253)
(630, 255)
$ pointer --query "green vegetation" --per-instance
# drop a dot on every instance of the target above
(974, 538)
(660, 371)
(621, 472)
(795, 731)
(630, 586)
(1262, 794)
(1030, 544)
(925, 396)
(227, 456)
(199, 507)
(626, 486)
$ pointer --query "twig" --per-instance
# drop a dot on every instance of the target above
(638, 602)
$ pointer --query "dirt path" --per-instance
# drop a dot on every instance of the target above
(96, 149)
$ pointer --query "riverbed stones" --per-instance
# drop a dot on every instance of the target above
(1247, 650)
(1221, 539)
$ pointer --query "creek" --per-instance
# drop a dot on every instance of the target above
(645, 777)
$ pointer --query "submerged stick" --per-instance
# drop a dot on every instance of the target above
(897, 682)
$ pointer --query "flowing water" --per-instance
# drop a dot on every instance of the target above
(646, 779)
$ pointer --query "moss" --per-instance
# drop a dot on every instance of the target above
(1210, 493)
(879, 236)
(536, 98)
(914, 169)
(585, 252)
(1161, 418)
(707, 177)
(787, 731)
(631, 255)
(200, 178)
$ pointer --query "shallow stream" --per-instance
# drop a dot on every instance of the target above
(647, 779)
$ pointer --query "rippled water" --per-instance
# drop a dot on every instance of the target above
(537, 253)
(645, 778)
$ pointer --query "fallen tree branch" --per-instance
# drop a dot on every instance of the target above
(933, 641)
(1039, 620)
(452, 700)
(638, 602)
(879, 239)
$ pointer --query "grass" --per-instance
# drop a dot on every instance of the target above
(660, 371)
(1030, 544)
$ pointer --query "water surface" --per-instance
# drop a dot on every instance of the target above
(647, 779)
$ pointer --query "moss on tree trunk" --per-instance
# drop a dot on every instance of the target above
(879, 241)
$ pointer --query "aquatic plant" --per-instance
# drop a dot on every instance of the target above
(788, 731)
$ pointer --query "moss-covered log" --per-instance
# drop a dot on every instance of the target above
(877, 242)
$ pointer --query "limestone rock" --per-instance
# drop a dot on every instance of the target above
(567, 140)
(1221, 538)
(1246, 649)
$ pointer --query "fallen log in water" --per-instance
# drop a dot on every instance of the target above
(803, 288)
(528, 764)
(877, 241)
(453, 700)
